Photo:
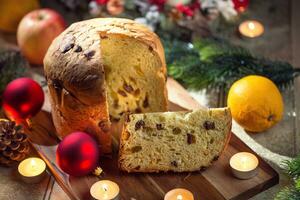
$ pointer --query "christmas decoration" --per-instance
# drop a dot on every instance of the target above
(159, 3)
(22, 98)
(158, 13)
(214, 7)
(255, 103)
(102, 2)
(77, 154)
(13, 65)
(151, 18)
(98, 171)
(293, 170)
(94, 8)
(12, 11)
(186, 10)
(14, 144)
(115, 7)
(226, 8)
(36, 31)
(176, 2)
(240, 5)
(216, 63)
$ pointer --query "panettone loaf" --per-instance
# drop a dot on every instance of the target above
(174, 141)
(99, 69)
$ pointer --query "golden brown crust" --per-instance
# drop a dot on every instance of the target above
(86, 35)
(76, 78)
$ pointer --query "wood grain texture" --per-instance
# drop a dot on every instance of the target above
(215, 183)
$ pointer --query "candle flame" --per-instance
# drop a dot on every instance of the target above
(179, 197)
(251, 25)
(32, 163)
(105, 187)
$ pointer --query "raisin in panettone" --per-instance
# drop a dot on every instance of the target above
(99, 69)
(174, 141)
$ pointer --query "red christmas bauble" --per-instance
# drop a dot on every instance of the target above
(159, 3)
(240, 5)
(22, 98)
(77, 154)
(101, 2)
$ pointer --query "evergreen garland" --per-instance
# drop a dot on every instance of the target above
(213, 62)
(293, 167)
(288, 193)
(293, 170)
(12, 66)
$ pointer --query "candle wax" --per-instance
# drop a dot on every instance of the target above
(251, 28)
(179, 197)
(179, 194)
(31, 167)
(244, 161)
(105, 190)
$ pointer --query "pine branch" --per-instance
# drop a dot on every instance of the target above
(187, 70)
(293, 167)
(219, 63)
(214, 47)
(176, 50)
(288, 193)
(297, 184)
(12, 66)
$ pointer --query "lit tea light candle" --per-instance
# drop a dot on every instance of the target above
(32, 170)
(251, 28)
(244, 165)
(179, 194)
(105, 190)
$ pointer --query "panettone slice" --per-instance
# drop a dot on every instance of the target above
(174, 141)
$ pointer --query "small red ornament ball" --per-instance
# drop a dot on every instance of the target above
(240, 5)
(77, 154)
(23, 98)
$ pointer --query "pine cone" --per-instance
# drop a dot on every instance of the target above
(14, 145)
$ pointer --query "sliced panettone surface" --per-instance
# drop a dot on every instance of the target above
(174, 141)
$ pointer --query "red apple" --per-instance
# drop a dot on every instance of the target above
(36, 31)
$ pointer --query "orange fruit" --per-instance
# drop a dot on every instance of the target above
(12, 11)
(255, 102)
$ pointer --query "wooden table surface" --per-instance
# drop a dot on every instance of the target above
(280, 41)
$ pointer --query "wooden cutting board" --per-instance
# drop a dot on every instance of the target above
(215, 183)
